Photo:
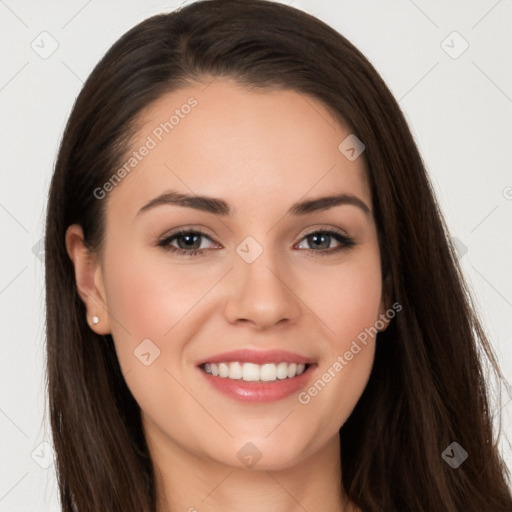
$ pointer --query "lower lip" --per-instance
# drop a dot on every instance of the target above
(259, 392)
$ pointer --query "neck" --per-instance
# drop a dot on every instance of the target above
(188, 482)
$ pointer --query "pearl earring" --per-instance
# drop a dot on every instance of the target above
(95, 320)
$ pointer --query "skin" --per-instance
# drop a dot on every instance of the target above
(249, 148)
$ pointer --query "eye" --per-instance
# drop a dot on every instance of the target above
(189, 242)
(190, 245)
(324, 236)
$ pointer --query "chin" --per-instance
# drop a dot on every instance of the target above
(262, 454)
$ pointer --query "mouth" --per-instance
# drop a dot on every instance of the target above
(252, 372)
(257, 376)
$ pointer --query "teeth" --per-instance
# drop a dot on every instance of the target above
(251, 372)
(223, 370)
(291, 370)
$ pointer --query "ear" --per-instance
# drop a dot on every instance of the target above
(385, 303)
(89, 279)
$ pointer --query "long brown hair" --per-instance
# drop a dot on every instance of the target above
(427, 388)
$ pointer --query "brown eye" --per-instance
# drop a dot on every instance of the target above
(189, 242)
(323, 237)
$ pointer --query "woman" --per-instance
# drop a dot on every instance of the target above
(204, 353)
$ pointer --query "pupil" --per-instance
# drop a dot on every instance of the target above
(316, 237)
(190, 238)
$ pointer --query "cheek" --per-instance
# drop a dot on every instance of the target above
(148, 297)
(148, 304)
(349, 305)
(349, 299)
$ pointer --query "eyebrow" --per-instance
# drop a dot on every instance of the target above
(222, 208)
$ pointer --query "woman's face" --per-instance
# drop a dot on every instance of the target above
(266, 281)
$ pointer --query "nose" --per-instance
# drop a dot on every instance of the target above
(261, 293)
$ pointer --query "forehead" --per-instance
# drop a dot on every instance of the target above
(226, 140)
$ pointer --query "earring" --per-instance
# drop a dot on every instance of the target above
(95, 320)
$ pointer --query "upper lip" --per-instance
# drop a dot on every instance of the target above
(257, 357)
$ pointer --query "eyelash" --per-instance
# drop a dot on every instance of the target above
(346, 243)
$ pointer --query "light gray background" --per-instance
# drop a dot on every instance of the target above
(459, 110)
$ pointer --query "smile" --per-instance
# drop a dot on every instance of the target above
(257, 376)
(251, 372)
